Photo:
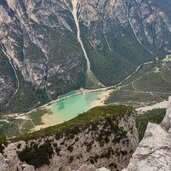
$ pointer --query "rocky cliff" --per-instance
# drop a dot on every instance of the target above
(154, 151)
(102, 137)
(47, 46)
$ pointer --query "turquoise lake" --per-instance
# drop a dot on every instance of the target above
(71, 107)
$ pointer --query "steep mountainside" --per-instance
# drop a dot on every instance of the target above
(50, 47)
(102, 137)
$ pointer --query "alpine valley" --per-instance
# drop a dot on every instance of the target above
(109, 60)
(50, 47)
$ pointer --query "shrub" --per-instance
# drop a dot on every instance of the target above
(3, 142)
(37, 156)
(70, 149)
(154, 116)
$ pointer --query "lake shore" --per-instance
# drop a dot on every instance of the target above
(46, 120)
(101, 100)
(49, 119)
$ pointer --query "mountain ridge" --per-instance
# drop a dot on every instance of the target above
(78, 142)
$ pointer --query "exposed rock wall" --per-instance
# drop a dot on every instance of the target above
(154, 151)
(39, 39)
(107, 142)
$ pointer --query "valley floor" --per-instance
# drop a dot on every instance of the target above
(143, 89)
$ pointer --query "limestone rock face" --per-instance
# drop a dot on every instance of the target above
(86, 167)
(106, 144)
(154, 151)
(3, 163)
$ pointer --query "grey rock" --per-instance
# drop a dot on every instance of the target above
(76, 152)
(154, 151)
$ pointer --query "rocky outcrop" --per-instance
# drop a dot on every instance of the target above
(105, 142)
(3, 163)
(154, 151)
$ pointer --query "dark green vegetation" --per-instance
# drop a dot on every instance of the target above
(26, 127)
(30, 96)
(149, 85)
(82, 120)
(37, 155)
(3, 142)
(101, 122)
(27, 98)
(9, 84)
(11, 127)
(92, 82)
(36, 116)
(111, 67)
(153, 116)
(64, 50)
